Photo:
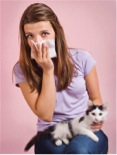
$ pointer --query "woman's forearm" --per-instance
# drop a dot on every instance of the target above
(45, 104)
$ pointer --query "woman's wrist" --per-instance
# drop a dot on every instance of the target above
(48, 72)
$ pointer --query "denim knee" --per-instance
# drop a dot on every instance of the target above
(82, 144)
(77, 150)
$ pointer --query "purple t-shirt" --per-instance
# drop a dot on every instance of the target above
(72, 101)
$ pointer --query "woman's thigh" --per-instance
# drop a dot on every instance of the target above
(46, 146)
(82, 144)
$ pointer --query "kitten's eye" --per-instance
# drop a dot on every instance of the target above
(93, 114)
(100, 114)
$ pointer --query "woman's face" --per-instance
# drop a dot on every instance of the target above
(38, 31)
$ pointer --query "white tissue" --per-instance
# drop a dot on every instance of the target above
(50, 43)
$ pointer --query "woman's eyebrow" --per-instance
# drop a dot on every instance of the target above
(39, 32)
(28, 33)
(44, 31)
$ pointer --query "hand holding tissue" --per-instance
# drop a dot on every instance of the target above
(50, 43)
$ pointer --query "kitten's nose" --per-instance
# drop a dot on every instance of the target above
(96, 120)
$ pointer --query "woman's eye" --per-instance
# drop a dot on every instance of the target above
(29, 36)
(45, 34)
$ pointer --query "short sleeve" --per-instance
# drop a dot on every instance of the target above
(18, 74)
(87, 61)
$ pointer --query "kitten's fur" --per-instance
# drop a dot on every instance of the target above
(66, 130)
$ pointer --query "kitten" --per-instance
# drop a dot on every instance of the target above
(66, 130)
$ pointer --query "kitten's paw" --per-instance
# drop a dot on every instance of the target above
(65, 141)
(96, 139)
(58, 142)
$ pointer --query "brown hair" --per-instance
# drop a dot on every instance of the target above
(35, 13)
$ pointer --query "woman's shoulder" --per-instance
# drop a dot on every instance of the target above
(17, 68)
(83, 60)
(18, 74)
(80, 54)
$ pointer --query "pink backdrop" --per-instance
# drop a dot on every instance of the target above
(87, 24)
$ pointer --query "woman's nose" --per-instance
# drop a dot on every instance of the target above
(37, 39)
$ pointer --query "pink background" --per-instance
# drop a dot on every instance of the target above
(87, 24)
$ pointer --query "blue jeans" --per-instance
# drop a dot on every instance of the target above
(80, 144)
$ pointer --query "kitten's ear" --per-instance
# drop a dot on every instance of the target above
(105, 106)
(90, 103)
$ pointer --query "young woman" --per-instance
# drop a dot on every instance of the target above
(58, 88)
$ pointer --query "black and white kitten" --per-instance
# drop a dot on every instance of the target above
(64, 131)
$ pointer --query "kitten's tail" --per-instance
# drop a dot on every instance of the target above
(34, 140)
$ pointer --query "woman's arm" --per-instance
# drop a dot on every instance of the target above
(92, 86)
(42, 104)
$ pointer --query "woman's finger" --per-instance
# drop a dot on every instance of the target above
(39, 52)
(43, 50)
(33, 50)
(95, 126)
(47, 52)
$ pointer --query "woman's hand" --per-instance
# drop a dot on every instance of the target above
(42, 57)
(96, 126)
